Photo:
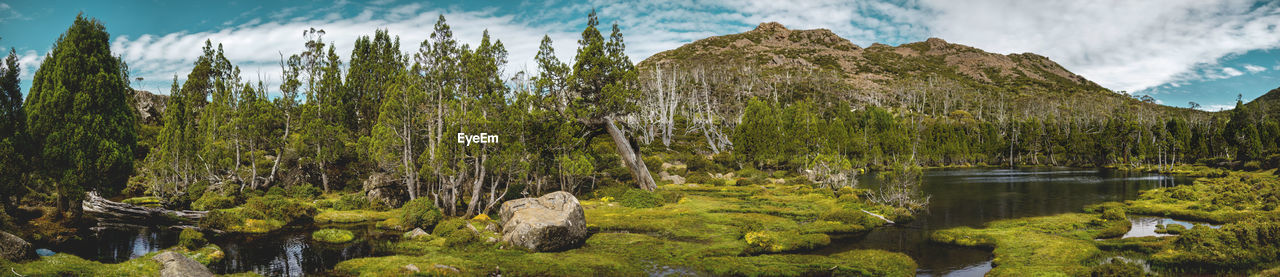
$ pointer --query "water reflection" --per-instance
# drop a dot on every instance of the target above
(288, 252)
(973, 197)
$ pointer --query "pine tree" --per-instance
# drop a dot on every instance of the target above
(605, 80)
(374, 65)
(12, 142)
(79, 115)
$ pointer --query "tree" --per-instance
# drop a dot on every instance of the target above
(374, 64)
(324, 133)
(552, 75)
(605, 80)
(79, 115)
(12, 142)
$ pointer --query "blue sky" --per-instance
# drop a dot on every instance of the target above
(1177, 51)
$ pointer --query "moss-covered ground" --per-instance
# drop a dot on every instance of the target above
(63, 264)
(758, 230)
(1058, 245)
(1078, 244)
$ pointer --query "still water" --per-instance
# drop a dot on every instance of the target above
(973, 197)
(287, 252)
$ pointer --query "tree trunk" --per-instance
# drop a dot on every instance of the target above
(639, 171)
(111, 211)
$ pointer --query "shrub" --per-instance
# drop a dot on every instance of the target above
(847, 216)
(303, 191)
(454, 232)
(333, 235)
(191, 239)
(279, 208)
(638, 198)
(671, 196)
(1252, 165)
(699, 178)
(786, 241)
(222, 219)
(212, 200)
(1113, 213)
(697, 163)
(420, 213)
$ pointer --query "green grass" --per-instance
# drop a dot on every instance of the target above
(63, 264)
(327, 216)
(1059, 245)
(702, 229)
(332, 235)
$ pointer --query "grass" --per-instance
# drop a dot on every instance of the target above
(332, 235)
(1227, 198)
(1059, 245)
(702, 229)
(332, 216)
(63, 264)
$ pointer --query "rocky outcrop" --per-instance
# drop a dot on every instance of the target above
(385, 189)
(150, 106)
(675, 179)
(174, 264)
(549, 223)
(13, 248)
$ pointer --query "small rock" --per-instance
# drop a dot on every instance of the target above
(412, 268)
(416, 233)
(675, 179)
(552, 222)
(44, 252)
(447, 268)
(174, 264)
(491, 227)
(13, 248)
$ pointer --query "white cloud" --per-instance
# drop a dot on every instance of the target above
(257, 47)
(1231, 72)
(1253, 68)
(1217, 107)
(1125, 45)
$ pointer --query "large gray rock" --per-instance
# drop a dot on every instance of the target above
(549, 223)
(13, 248)
(384, 188)
(174, 264)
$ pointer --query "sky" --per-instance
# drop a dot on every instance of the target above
(1177, 51)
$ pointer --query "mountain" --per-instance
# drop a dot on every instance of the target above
(1268, 104)
(915, 74)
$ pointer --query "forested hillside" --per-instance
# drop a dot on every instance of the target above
(931, 103)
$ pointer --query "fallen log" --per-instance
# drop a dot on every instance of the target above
(881, 217)
(111, 211)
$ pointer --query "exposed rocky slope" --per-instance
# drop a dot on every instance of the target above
(885, 75)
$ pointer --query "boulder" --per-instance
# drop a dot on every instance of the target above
(549, 223)
(385, 189)
(416, 233)
(675, 179)
(13, 248)
(174, 264)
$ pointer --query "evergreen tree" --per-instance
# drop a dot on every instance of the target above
(12, 142)
(605, 80)
(79, 115)
(374, 65)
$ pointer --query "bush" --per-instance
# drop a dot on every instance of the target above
(1252, 165)
(333, 235)
(347, 202)
(848, 216)
(191, 239)
(279, 208)
(303, 191)
(212, 200)
(275, 191)
(420, 213)
(1114, 213)
(638, 198)
(697, 163)
(454, 232)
